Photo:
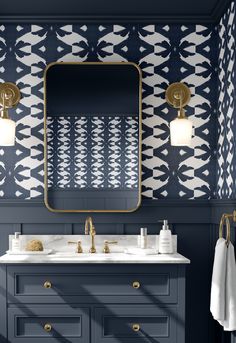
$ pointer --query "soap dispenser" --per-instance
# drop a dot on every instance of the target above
(165, 239)
(16, 246)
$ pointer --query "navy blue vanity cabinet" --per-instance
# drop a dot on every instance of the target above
(97, 303)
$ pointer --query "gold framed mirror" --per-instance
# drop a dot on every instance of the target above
(92, 126)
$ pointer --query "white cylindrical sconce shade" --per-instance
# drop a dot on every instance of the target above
(7, 132)
(181, 132)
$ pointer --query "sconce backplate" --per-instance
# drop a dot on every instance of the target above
(175, 91)
(11, 93)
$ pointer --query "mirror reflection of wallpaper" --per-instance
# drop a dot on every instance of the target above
(93, 152)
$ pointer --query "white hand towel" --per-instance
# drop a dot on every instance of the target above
(218, 281)
(229, 322)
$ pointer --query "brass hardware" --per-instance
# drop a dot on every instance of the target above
(225, 220)
(106, 248)
(136, 284)
(178, 95)
(47, 327)
(47, 284)
(79, 249)
(90, 229)
(136, 327)
(9, 95)
(45, 139)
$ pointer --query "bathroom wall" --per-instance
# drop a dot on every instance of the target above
(165, 53)
(226, 157)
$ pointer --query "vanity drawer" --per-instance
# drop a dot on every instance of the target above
(132, 324)
(92, 286)
(48, 324)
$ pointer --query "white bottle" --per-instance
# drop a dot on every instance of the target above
(143, 238)
(165, 239)
(15, 243)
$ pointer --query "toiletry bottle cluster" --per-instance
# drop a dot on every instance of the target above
(165, 244)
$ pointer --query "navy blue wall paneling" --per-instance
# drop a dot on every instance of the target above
(195, 223)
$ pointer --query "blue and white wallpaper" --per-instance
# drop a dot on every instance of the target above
(165, 54)
(226, 158)
(93, 152)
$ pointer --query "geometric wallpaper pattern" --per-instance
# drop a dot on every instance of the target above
(109, 145)
(165, 53)
(226, 159)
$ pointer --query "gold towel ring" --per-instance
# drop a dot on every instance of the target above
(225, 220)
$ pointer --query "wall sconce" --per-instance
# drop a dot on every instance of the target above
(9, 97)
(178, 95)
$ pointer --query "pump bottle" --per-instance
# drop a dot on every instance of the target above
(165, 239)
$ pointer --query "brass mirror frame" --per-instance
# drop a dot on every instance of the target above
(45, 139)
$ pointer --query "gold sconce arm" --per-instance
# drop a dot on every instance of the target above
(178, 95)
(9, 97)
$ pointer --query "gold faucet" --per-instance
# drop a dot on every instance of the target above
(90, 229)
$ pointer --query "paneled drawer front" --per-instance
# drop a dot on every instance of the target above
(160, 285)
(135, 324)
(48, 324)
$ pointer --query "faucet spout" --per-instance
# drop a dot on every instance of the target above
(90, 229)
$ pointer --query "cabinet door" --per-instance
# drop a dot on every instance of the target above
(135, 324)
(48, 324)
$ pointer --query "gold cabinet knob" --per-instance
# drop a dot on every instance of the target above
(136, 284)
(47, 284)
(47, 327)
(136, 327)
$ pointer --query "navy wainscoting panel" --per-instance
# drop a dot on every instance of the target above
(195, 223)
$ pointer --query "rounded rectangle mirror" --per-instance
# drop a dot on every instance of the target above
(92, 123)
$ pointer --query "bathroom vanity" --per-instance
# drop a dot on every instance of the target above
(69, 297)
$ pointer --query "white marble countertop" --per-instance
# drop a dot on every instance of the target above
(64, 253)
(94, 258)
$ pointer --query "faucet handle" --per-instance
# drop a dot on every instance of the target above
(79, 248)
(106, 248)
